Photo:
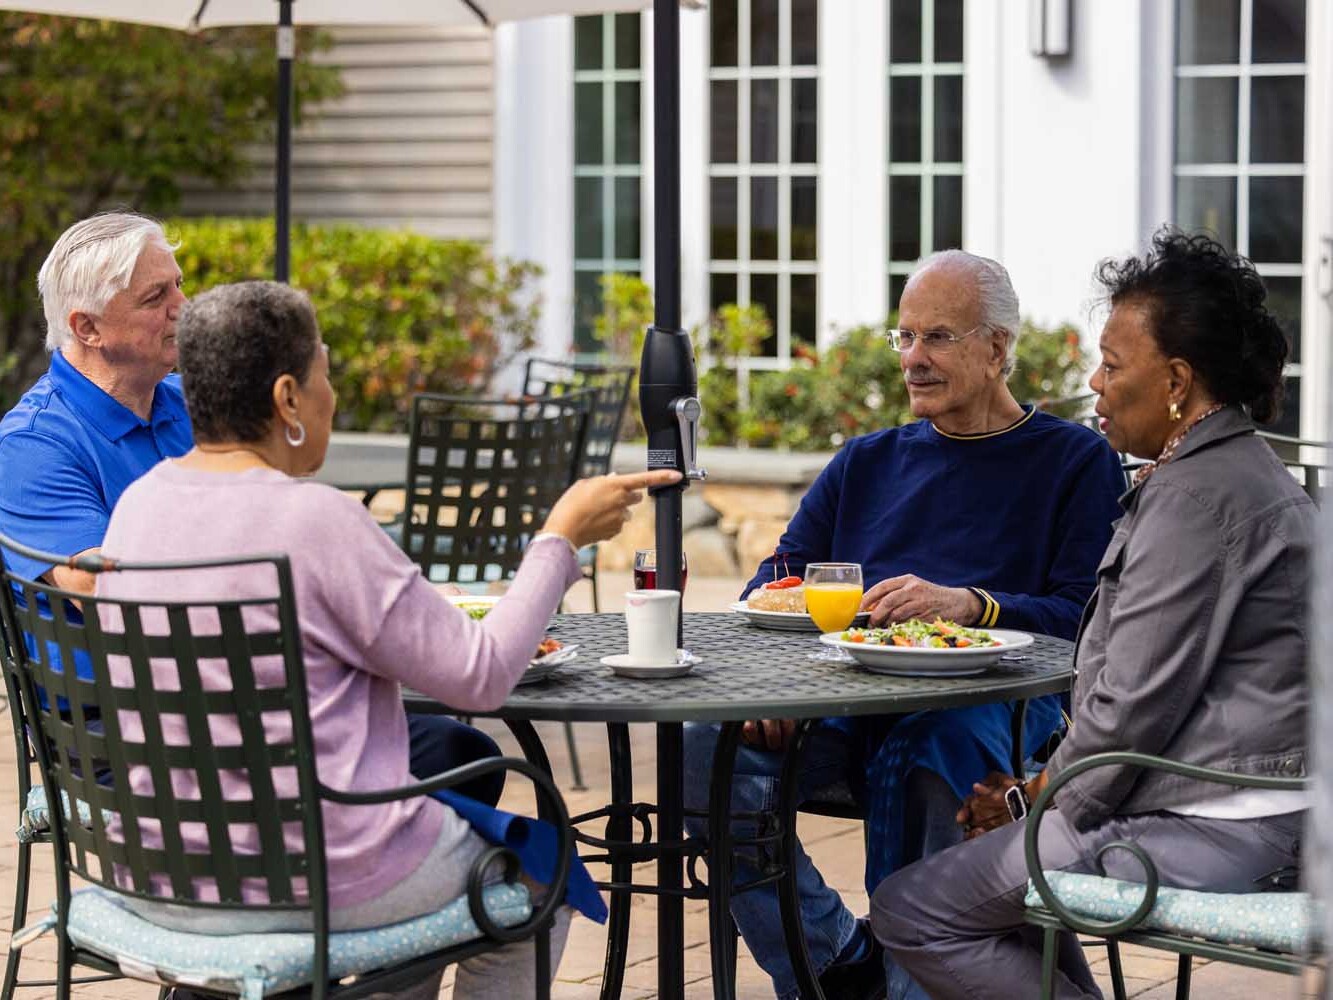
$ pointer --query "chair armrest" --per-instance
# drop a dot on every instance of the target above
(1122, 758)
(550, 805)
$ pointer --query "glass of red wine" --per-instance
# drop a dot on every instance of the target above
(645, 570)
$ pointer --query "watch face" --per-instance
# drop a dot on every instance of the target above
(1014, 799)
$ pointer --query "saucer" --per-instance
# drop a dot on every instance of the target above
(622, 665)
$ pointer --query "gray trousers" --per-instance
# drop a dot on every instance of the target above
(954, 920)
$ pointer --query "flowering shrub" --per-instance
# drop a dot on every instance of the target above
(402, 313)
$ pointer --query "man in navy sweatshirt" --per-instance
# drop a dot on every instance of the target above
(983, 512)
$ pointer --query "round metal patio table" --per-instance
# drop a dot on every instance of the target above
(745, 673)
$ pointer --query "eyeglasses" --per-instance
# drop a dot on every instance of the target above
(934, 341)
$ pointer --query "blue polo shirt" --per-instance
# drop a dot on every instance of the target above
(68, 451)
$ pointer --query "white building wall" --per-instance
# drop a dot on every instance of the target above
(534, 164)
(853, 89)
(1054, 150)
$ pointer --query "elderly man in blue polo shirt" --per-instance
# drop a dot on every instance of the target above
(109, 409)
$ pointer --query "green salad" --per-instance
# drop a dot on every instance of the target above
(475, 611)
(938, 634)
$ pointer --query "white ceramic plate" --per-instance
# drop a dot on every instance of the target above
(920, 661)
(542, 667)
(622, 665)
(787, 621)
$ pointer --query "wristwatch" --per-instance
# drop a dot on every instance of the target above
(1016, 800)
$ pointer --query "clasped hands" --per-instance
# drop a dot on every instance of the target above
(985, 809)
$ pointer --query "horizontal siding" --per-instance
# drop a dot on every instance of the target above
(408, 145)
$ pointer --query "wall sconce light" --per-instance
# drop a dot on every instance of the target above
(1049, 28)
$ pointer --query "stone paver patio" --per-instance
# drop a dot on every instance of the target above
(835, 844)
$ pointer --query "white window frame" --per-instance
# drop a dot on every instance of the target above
(743, 170)
(927, 169)
(607, 76)
(1244, 71)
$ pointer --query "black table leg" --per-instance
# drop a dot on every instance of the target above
(1016, 734)
(721, 935)
(807, 983)
(531, 745)
(670, 863)
(618, 827)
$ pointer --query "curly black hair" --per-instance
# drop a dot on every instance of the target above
(1207, 307)
(233, 343)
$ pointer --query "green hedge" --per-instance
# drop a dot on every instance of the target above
(402, 313)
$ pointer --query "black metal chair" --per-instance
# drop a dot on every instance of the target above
(186, 690)
(1048, 911)
(482, 474)
(1313, 476)
(609, 386)
(35, 831)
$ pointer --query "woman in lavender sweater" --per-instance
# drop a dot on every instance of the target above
(256, 380)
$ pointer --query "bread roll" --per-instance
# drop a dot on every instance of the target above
(787, 599)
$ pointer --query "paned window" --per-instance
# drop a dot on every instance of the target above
(1240, 145)
(608, 172)
(763, 164)
(925, 133)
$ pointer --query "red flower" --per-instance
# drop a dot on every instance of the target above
(791, 390)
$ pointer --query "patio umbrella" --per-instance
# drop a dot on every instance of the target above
(194, 15)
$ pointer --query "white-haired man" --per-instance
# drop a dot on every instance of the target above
(984, 512)
(109, 409)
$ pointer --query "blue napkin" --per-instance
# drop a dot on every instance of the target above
(534, 842)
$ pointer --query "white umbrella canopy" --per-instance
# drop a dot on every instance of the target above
(192, 14)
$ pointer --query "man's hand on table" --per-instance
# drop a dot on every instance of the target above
(768, 734)
(902, 597)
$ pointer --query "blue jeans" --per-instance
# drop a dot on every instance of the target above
(827, 922)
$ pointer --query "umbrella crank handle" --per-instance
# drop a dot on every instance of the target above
(688, 411)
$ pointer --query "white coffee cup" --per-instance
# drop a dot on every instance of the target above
(650, 619)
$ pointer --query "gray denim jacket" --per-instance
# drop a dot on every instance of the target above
(1194, 644)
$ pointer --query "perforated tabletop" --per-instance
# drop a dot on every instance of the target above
(748, 672)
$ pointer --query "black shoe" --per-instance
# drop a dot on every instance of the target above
(859, 980)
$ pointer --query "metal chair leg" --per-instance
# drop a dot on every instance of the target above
(1183, 969)
(1116, 968)
(574, 764)
(541, 946)
(22, 876)
(1049, 948)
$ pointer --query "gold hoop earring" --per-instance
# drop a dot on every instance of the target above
(1174, 411)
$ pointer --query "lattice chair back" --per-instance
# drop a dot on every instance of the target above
(609, 385)
(482, 474)
(175, 705)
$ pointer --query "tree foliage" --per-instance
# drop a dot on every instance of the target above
(98, 115)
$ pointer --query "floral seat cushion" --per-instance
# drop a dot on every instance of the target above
(253, 966)
(1286, 922)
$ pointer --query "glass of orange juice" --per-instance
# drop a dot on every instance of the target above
(833, 594)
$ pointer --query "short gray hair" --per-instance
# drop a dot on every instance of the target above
(92, 261)
(235, 342)
(999, 301)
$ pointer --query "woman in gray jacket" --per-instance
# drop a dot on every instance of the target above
(1193, 646)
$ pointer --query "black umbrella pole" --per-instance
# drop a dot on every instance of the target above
(283, 177)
